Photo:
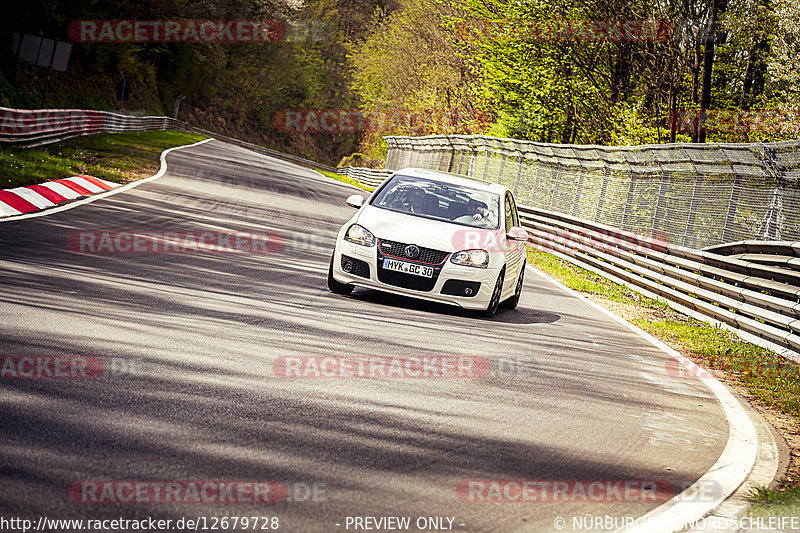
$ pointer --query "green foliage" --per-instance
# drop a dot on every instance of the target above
(782, 502)
(634, 126)
(410, 61)
(526, 67)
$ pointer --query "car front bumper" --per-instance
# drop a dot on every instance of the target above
(486, 277)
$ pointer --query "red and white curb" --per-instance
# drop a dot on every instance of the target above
(116, 189)
(37, 197)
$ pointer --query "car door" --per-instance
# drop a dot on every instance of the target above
(515, 250)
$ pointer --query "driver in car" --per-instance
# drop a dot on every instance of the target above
(478, 210)
(416, 200)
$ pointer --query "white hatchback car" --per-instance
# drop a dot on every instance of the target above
(435, 236)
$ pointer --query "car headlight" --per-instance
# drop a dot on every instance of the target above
(471, 258)
(359, 235)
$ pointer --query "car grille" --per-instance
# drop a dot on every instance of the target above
(393, 249)
(426, 255)
(407, 281)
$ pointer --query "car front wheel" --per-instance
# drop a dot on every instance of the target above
(494, 303)
(335, 286)
(512, 302)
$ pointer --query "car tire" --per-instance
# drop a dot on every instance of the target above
(494, 302)
(335, 286)
(512, 302)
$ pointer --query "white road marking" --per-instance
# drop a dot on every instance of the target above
(728, 473)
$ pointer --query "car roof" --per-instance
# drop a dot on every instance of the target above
(455, 179)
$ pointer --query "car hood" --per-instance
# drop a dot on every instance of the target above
(410, 229)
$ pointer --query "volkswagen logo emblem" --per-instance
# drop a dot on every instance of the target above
(411, 251)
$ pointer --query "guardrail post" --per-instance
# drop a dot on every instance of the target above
(472, 159)
(452, 156)
(502, 169)
(486, 165)
(555, 185)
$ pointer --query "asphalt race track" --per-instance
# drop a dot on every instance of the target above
(189, 391)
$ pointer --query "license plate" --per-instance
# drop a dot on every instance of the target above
(408, 268)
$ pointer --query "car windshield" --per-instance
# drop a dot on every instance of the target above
(447, 202)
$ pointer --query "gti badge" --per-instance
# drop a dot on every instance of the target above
(411, 251)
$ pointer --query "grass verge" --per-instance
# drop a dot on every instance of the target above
(117, 157)
(771, 382)
(344, 179)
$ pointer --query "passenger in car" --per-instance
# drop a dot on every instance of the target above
(431, 205)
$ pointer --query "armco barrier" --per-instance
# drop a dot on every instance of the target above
(29, 128)
(261, 149)
(783, 254)
(39, 127)
(758, 299)
(366, 176)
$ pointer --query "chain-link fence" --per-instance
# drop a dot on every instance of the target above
(694, 195)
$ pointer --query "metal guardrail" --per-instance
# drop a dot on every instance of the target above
(261, 149)
(782, 254)
(39, 127)
(29, 128)
(748, 296)
(370, 177)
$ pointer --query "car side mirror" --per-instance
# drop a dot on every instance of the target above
(517, 234)
(355, 201)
